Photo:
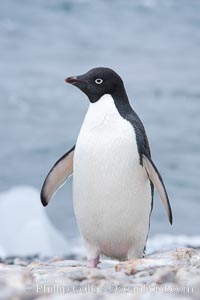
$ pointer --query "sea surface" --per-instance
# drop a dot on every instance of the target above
(154, 45)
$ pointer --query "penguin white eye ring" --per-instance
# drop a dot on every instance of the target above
(98, 81)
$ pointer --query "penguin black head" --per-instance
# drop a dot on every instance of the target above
(98, 82)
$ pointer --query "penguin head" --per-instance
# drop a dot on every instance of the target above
(98, 82)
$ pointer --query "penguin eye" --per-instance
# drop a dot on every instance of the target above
(98, 81)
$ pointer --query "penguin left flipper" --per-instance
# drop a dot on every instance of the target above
(57, 176)
(156, 179)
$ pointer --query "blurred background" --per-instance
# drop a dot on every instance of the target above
(154, 45)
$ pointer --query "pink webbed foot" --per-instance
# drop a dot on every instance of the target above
(92, 263)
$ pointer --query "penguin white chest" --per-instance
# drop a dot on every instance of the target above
(111, 190)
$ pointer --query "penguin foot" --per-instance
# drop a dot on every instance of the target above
(92, 263)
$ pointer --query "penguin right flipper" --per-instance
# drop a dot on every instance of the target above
(57, 176)
(156, 179)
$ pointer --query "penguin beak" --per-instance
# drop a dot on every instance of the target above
(75, 80)
(71, 80)
(80, 82)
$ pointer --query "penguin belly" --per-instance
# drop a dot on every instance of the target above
(111, 190)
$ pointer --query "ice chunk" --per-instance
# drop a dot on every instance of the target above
(25, 227)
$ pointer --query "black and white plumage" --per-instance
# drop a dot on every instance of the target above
(113, 173)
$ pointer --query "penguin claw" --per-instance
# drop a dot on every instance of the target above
(92, 263)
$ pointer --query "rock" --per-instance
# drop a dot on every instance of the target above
(164, 275)
(13, 280)
(77, 275)
(170, 275)
(172, 258)
(195, 261)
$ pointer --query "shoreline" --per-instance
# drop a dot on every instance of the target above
(172, 273)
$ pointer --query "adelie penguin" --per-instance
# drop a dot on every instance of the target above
(113, 173)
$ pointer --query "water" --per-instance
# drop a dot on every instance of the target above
(153, 44)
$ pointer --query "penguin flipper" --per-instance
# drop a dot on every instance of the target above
(156, 179)
(57, 176)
